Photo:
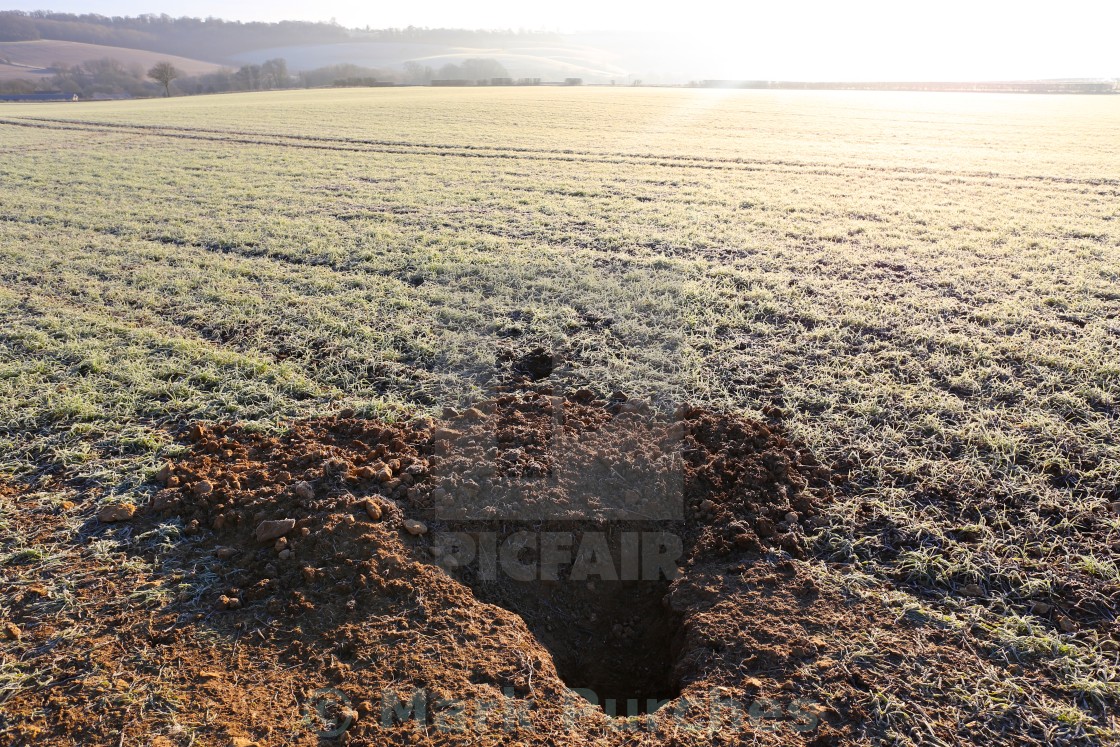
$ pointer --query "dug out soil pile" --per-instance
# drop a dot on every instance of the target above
(540, 568)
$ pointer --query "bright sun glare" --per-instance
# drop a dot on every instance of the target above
(800, 40)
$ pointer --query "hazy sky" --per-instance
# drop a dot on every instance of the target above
(818, 39)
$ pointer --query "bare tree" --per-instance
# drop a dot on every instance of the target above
(163, 73)
(275, 73)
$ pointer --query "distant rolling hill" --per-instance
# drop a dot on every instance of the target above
(34, 59)
(520, 59)
(596, 58)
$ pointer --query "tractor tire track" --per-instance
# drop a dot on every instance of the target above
(393, 147)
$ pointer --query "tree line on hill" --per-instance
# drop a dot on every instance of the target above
(214, 39)
(110, 78)
(1007, 86)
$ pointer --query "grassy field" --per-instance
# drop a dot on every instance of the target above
(924, 288)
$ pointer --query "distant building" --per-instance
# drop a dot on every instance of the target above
(501, 81)
(573, 81)
(453, 82)
(39, 96)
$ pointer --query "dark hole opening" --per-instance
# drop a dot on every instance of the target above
(614, 642)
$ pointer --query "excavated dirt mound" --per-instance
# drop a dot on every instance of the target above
(538, 570)
(725, 484)
(532, 544)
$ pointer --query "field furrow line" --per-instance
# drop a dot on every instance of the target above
(359, 145)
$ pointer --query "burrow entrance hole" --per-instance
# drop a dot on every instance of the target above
(613, 641)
